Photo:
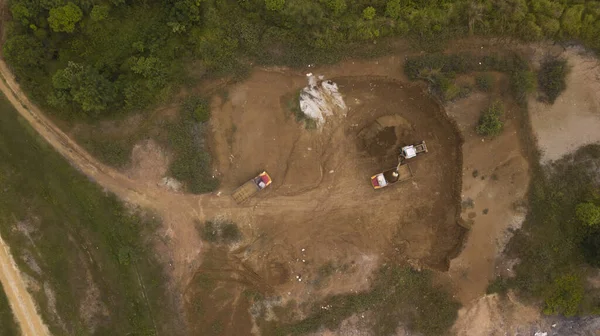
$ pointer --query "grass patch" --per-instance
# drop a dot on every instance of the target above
(219, 231)
(8, 324)
(499, 285)
(75, 226)
(552, 78)
(192, 161)
(490, 123)
(116, 153)
(555, 246)
(399, 295)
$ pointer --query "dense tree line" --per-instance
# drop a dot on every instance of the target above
(89, 58)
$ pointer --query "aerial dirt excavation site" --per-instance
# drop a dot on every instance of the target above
(335, 177)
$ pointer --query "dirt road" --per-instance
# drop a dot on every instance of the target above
(21, 302)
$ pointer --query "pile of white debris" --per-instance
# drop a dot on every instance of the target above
(321, 98)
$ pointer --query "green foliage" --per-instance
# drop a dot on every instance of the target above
(80, 235)
(490, 123)
(553, 246)
(369, 13)
(564, 296)
(192, 163)
(84, 86)
(522, 83)
(274, 5)
(64, 18)
(399, 295)
(439, 69)
(99, 12)
(24, 52)
(123, 41)
(485, 82)
(219, 232)
(552, 78)
(571, 20)
(588, 213)
(8, 324)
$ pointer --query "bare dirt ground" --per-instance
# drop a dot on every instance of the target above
(495, 181)
(574, 119)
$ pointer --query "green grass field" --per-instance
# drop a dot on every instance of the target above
(79, 237)
(8, 325)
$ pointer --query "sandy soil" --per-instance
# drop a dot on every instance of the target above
(574, 118)
(495, 179)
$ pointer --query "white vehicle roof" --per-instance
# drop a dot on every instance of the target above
(409, 151)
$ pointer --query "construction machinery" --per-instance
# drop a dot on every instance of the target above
(248, 189)
(400, 173)
(409, 152)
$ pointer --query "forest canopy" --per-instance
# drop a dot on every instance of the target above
(93, 58)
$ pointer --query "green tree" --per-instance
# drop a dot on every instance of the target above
(84, 86)
(99, 12)
(184, 14)
(588, 213)
(63, 19)
(274, 5)
(571, 20)
(20, 13)
(24, 52)
(369, 13)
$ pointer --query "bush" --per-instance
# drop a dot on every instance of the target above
(489, 122)
(522, 82)
(485, 82)
(588, 213)
(551, 78)
(565, 295)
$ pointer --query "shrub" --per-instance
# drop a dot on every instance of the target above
(551, 78)
(564, 296)
(588, 213)
(522, 82)
(485, 82)
(489, 122)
